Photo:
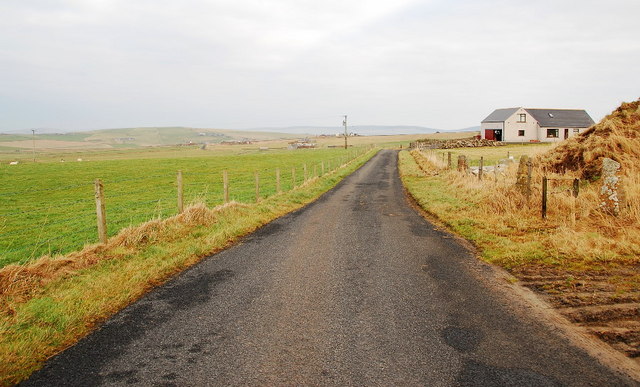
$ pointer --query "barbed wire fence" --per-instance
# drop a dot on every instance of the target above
(547, 185)
(36, 222)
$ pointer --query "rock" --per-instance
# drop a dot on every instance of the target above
(523, 180)
(611, 196)
(463, 166)
(450, 144)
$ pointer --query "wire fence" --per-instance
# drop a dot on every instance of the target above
(59, 218)
(523, 180)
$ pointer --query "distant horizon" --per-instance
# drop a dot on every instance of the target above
(294, 129)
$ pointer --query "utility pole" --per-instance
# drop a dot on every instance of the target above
(34, 144)
(345, 131)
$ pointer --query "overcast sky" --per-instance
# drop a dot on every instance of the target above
(80, 64)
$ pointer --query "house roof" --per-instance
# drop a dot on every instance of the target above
(561, 117)
(500, 115)
(564, 118)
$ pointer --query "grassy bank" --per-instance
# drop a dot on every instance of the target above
(509, 228)
(582, 260)
(50, 303)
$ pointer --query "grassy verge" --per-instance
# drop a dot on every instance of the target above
(49, 304)
(509, 229)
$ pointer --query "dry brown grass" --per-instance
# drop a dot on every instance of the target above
(594, 240)
(19, 283)
(617, 137)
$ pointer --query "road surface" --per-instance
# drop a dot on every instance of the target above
(355, 289)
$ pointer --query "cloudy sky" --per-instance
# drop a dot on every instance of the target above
(80, 64)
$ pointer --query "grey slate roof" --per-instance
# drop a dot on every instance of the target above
(563, 118)
(500, 115)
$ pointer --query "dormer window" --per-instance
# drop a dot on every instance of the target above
(522, 117)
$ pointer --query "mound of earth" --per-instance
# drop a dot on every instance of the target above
(617, 137)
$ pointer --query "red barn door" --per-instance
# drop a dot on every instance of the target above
(488, 134)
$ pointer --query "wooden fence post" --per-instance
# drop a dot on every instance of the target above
(449, 160)
(278, 188)
(305, 173)
(100, 212)
(544, 197)
(225, 183)
(574, 201)
(322, 167)
(529, 177)
(180, 195)
(481, 167)
(257, 177)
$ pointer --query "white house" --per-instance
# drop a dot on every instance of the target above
(534, 125)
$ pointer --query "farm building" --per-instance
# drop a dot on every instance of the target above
(534, 125)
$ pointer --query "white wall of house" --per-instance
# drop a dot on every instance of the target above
(543, 131)
(513, 126)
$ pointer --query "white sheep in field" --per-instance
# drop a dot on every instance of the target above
(13, 163)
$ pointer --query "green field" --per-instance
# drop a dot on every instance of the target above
(49, 207)
(492, 155)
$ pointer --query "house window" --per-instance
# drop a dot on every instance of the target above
(522, 118)
(552, 133)
(521, 133)
(576, 130)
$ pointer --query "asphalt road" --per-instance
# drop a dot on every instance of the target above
(355, 289)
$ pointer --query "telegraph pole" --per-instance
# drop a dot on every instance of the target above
(345, 131)
(34, 144)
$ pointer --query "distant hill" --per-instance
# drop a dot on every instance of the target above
(134, 137)
(365, 130)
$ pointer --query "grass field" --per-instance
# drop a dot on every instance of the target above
(102, 148)
(49, 207)
(492, 155)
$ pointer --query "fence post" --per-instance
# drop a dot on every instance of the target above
(463, 166)
(257, 177)
(449, 160)
(481, 167)
(529, 176)
(225, 183)
(180, 196)
(100, 212)
(574, 201)
(544, 197)
(278, 188)
(322, 167)
(305, 173)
